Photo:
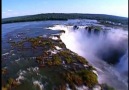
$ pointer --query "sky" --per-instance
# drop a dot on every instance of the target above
(11, 8)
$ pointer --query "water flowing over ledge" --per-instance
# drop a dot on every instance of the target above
(87, 46)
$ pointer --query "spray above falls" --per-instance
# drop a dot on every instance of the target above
(104, 47)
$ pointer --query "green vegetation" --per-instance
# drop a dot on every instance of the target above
(66, 56)
(56, 60)
(80, 77)
(49, 62)
(65, 53)
(73, 78)
(62, 16)
(68, 60)
(88, 77)
(58, 69)
(81, 59)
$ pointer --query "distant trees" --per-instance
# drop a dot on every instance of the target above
(62, 16)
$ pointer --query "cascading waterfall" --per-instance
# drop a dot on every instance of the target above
(93, 47)
(123, 64)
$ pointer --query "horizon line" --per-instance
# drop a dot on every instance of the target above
(62, 13)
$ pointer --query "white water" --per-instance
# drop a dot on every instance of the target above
(88, 46)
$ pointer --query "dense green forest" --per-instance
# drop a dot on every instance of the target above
(63, 16)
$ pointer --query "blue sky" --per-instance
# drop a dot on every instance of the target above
(12, 8)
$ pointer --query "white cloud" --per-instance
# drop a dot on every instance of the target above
(9, 10)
